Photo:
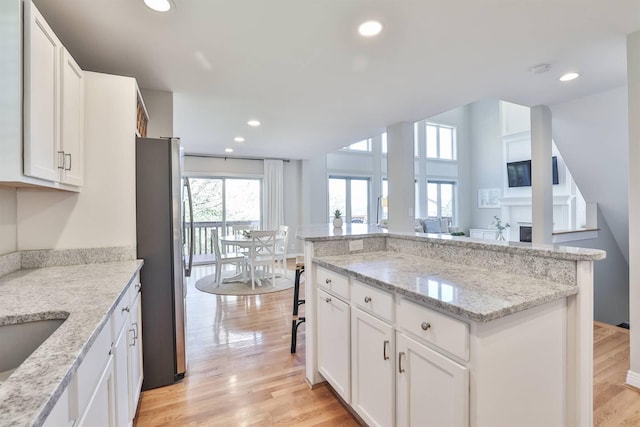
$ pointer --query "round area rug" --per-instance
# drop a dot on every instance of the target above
(208, 284)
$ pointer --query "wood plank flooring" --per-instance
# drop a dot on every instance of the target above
(614, 404)
(241, 373)
(240, 369)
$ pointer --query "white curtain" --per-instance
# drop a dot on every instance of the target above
(273, 189)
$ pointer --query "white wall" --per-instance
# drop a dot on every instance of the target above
(592, 135)
(8, 221)
(611, 277)
(315, 208)
(487, 162)
(104, 213)
(160, 109)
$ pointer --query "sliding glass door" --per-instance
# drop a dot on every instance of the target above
(221, 203)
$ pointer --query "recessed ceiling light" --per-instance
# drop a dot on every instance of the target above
(238, 139)
(569, 76)
(228, 150)
(253, 123)
(158, 5)
(370, 28)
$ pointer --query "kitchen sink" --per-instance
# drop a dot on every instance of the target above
(20, 340)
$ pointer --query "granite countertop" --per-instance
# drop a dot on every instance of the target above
(84, 295)
(326, 232)
(469, 292)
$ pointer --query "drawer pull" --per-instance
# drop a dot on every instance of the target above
(327, 300)
(367, 300)
(327, 281)
(400, 356)
(125, 309)
(385, 355)
(425, 326)
(138, 286)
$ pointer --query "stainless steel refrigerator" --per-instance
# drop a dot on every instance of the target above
(164, 225)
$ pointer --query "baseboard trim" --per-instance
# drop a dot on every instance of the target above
(633, 379)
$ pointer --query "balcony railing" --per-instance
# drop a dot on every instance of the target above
(202, 231)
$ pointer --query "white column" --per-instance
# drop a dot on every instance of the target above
(541, 175)
(401, 177)
(633, 87)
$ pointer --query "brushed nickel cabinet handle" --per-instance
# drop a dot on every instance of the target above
(327, 281)
(367, 299)
(400, 356)
(65, 161)
(125, 309)
(385, 355)
(328, 300)
(425, 326)
(61, 158)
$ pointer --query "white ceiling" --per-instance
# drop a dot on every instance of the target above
(300, 68)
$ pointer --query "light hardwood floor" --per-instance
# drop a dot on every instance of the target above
(241, 373)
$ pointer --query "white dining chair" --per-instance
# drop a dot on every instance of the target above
(262, 253)
(281, 247)
(229, 258)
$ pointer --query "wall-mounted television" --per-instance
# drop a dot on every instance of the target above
(519, 173)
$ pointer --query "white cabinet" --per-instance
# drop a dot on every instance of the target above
(432, 390)
(60, 414)
(41, 103)
(127, 352)
(71, 121)
(372, 369)
(41, 96)
(134, 348)
(100, 410)
(334, 343)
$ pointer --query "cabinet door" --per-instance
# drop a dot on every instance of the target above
(334, 342)
(120, 354)
(41, 96)
(100, 411)
(432, 390)
(72, 120)
(135, 356)
(372, 369)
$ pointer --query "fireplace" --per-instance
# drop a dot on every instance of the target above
(525, 233)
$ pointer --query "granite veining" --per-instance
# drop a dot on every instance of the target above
(455, 245)
(9, 263)
(83, 295)
(466, 291)
(62, 257)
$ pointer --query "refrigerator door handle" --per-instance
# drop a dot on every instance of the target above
(192, 244)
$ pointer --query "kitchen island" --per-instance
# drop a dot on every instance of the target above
(84, 298)
(415, 329)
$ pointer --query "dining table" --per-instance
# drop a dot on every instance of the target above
(243, 242)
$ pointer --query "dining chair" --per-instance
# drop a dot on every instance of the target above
(237, 230)
(229, 258)
(281, 247)
(262, 253)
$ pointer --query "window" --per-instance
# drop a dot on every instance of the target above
(441, 199)
(384, 143)
(364, 145)
(440, 142)
(351, 196)
(221, 203)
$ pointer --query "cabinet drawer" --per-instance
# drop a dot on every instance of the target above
(436, 328)
(333, 282)
(373, 300)
(120, 315)
(92, 366)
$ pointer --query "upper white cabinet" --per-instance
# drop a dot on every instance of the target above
(71, 121)
(42, 51)
(41, 103)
